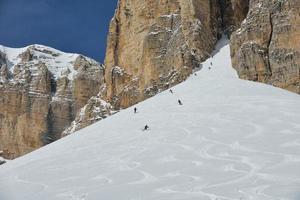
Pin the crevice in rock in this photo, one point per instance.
(116, 45)
(222, 7)
(117, 34)
(269, 44)
(53, 85)
(47, 137)
(172, 22)
(232, 14)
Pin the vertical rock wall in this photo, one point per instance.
(41, 92)
(154, 44)
(267, 46)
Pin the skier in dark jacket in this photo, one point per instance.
(179, 102)
(171, 91)
(146, 128)
(135, 110)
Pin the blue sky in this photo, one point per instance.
(78, 26)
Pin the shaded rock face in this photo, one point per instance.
(154, 44)
(41, 92)
(266, 47)
(233, 12)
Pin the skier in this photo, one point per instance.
(211, 64)
(135, 110)
(146, 128)
(171, 91)
(195, 74)
(179, 102)
(209, 68)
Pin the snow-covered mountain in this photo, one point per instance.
(230, 140)
(42, 90)
(59, 63)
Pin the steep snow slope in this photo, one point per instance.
(231, 140)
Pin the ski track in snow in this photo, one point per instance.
(231, 140)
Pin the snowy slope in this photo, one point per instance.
(231, 140)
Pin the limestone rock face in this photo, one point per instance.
(266, 47)
(95, 110)
(41, 92)
(154, 44)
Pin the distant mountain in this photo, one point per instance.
(41, 92)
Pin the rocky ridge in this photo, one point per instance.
(266, 47)
(41, 92)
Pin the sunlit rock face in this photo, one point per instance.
(266, 47)
(41, 91)
(154, 44)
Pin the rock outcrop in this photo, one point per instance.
(41, 92)
(95, 110)
(154, 44)
(266, 47)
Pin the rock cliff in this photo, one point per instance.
(266, 47)
(154, 44)
(41, 92)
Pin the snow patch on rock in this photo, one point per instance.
(59, 63)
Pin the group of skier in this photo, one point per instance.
(146, 127)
